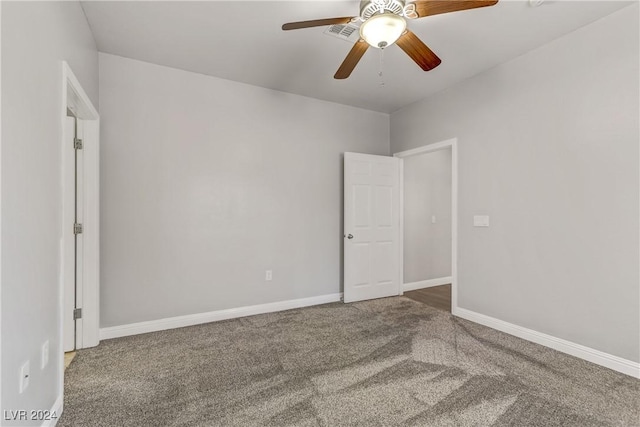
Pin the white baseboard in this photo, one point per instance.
(212, 316)
(426, 283)
(598, 357)
(55, 409)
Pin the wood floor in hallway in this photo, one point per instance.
(437, 297)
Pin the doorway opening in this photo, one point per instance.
(79, 269)
(429, 223)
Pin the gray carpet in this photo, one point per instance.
(388, 362)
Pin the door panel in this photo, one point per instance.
(73, 192)
(68, 324)
(371, 227)
(361, 205)
(79, 273)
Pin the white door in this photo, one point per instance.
(79, 237)
(73, 214)
(69, 292)
(371, 227)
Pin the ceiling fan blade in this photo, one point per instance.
(436, 7)
(316, 23)
(352, 59)
(418, 51)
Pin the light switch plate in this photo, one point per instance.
(24, 376)
(481, 220)
(45, 355)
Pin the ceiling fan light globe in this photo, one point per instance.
(383, 30)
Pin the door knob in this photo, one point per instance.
(350, 236)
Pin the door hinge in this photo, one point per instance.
(77, 228)
(77, 313)
(77, 143)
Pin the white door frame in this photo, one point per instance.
(75, 99)
(443, 145)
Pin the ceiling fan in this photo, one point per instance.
(384, 22)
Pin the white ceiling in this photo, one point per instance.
(243, 41)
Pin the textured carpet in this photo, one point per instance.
(387, 362)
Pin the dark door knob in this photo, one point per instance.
(350, 236)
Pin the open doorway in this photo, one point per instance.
(428, 224)
(79, 270)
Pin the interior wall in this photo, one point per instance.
(208, 183)
(36, 37)
(548, 147)
(427, 198)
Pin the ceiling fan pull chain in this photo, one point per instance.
(381, 64)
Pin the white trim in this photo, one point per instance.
(401, 229)
(454, 223)
(427, 148)
(453, 144)
(213, 316)
(598, 357)
(412, 286)
(57, 409)
(83, 105)
(91, 235)
(1, 352)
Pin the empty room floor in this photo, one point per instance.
(385, 362)
(436, 296)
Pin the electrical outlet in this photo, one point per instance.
(268, 276)
(24, 376)
(45, 355)
(433, 219)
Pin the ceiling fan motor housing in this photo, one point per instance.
(368, 8)
(383, 22)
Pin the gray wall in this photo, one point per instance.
(207, 183)
(548, 147)
(35, 38)
(427, 193)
